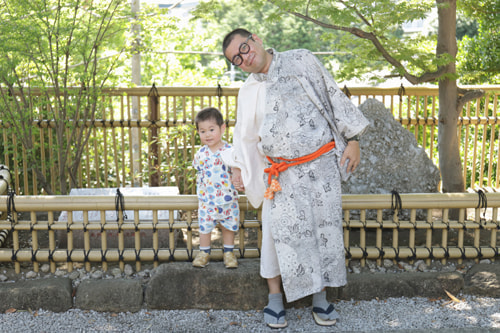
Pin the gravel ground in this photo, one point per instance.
(466, 314)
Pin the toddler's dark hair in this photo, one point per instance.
(209, 114)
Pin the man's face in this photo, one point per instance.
(256, 60)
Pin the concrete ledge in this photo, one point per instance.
(483, 280)
(371, 286)
(53, 294)
(178, 285)
(110, 295)
(181, 286)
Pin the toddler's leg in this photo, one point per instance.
(203, 257)
(228, 240)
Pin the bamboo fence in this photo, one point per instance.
(474, 235)
(166, 144)
(167, 138)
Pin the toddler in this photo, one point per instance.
(217, 197)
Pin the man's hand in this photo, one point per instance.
(352, 153)
(237, 180)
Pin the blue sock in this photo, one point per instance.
(228, 248)
(205, 249)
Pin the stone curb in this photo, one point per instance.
(180, 286)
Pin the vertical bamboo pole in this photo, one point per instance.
(460, 243)
(465, 147)
(444, 235)
(137, 236)
(123, 144)
(96, 160)
(34, 240)
(52, 241)
(154, 162)
(411, 241)
(483, 143)
(493, 236)
(395, 232)
(428, 239)
(156, 246)
(121, 240)
(379, 235)
(104, 240)
(347, 220)
(86, 239)
(70, 240)
(189, 233)
(362, 236)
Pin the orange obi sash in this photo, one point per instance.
(276, 168)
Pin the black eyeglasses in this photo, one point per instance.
(244, 49)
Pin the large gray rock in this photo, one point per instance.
(52, 294)
(181, 286)
(390, 158)
(110, 295)
(483, 280)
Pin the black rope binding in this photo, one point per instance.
(11, 206)
(396, 203)
(482, 202)
(346, 91)
(119, 205)
(219, 94)
(401, 91)
(153, 92)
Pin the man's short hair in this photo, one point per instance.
(230, 36)
(209, 113)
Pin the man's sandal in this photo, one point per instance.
(324, 322)
(273, 319)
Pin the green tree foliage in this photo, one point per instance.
(478, 60)
(332, 26)
(48, 47)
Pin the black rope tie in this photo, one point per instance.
(396, 203)
(431, 254)
(413, 254)
(119, 205)
(482, 202)
(346, 91)
(11, 206)
(219, 91)
(348, 252)
(381, 252)
(120, 255)
(86, 256)
(103, 255)
(153, 92)
(401, 91)
(69, 253)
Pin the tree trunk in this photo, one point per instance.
(448, 146)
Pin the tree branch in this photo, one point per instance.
(361, 16)
(466, 96)
(426, 77)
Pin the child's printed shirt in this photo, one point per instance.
(213, 182)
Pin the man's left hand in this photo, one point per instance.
(352, 153)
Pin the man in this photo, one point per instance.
(292, 115)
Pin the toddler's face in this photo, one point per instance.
(210, 133)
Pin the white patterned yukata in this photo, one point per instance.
(217, 197)
(299, 109)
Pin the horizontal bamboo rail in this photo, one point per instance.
(469, 239)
